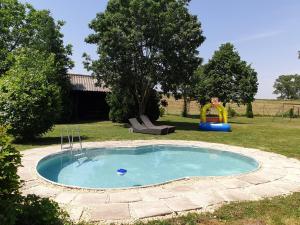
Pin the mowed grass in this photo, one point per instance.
(265, 133)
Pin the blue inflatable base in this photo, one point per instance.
(224, 127)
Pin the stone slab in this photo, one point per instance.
(113, 211)
(255, 179)
(75, 212)
(26, 174)
(149, 209)
(41, 191)
(90, 199)
(265, 190)
(286, 185)
(65, 197)
(206, 184)
(238, 195)
(152, 195)
(180, 188)
(124, 197)
(181, 204)
(233, 183)
(205, 198)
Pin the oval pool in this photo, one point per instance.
(145, 165)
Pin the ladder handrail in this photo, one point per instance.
(70, 133)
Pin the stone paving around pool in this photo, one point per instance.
(277, 175)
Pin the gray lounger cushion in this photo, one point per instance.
(149, 124)
(139, 128)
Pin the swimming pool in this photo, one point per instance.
(145, 165)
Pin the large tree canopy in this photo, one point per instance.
(21, 26)
(287, 86)
(143, 43)
(227, 77)
(29, 100)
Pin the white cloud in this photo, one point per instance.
(259, 36)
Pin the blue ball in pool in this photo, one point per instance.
(225, 127)
(121, 172)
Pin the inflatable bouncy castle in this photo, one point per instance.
(219, 123)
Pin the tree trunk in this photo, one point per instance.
(185, 106)
(142, 108)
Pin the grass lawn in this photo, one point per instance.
(279, 135)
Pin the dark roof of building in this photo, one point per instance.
(81, 82)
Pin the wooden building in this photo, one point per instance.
(88, 100)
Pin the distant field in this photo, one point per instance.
(260, 107)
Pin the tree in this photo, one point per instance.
(287, 87)
(29, 100)
(188, 92)
(227, 77)
(249, 111)
(145, 43)
(24, 27)
(201, 91)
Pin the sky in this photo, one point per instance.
(266, 33)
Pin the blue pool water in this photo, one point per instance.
(145, 165)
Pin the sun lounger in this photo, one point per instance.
(147, 122)
(139, 128)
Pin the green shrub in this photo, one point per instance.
(39, 211)
(291, 113)
(10, 160)
(29, 101)
(123, 106)
(231, 112)
(249, 112)
(162, 111)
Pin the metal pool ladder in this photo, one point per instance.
(70, 142)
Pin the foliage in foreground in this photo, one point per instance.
(16, 209)
(10, 160)
(275, 211)
(142, 44)
(29, 100)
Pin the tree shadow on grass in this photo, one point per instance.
(235, 122)
(193, 116)
(188, 126)
(44, 141)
